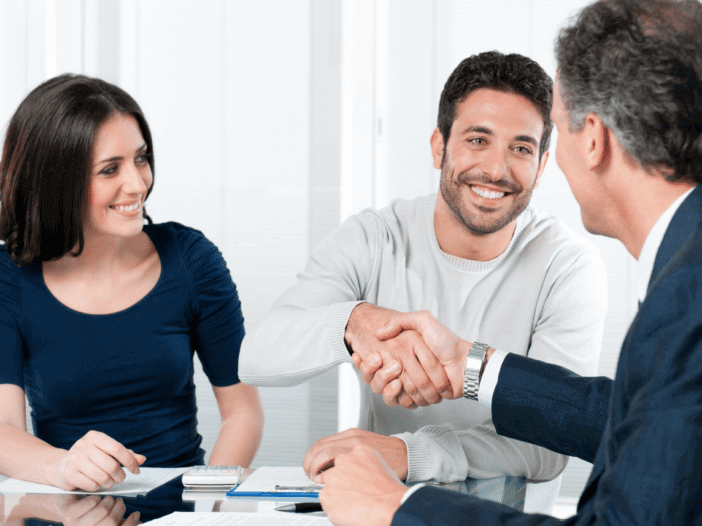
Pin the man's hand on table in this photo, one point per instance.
(405, 356)
(361, 490)
(324, 453)
(450, 352)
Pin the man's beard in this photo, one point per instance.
(482, 222)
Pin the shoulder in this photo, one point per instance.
(399, 217)
(676, 294)
(10, 276)
(549, 240)
(177, 240)
(10, 273)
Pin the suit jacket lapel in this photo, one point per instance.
(684, 222)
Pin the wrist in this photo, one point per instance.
(53, 467)
(352, 327)
(475, 362)
(488, 354)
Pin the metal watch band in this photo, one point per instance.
(471, 376)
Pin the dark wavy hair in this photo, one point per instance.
(637, 65)
(45, 166)
(507, 73)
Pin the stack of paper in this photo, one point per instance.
(236, 518)
(281, 483)
(147, 480)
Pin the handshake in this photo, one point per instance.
(409, 358)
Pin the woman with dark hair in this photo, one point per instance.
(100, 314)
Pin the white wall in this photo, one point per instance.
(270, 122)
(242, 99)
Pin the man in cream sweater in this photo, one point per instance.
(476, 255)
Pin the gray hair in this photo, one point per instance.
(637, 64)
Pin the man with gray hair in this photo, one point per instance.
(628, 109)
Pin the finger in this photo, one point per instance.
(114, 517)
(95, 473)
(404, 398)
(391, 392)
(384, 376)
(322, 462)
(124, 456)
(79, 480)
(424, 392)
(370, 365)
(357, 360)
(319, 446)
(97, 513)
(109, 465)
(397, 323)
(81, 506)
(75, 510)
(132, 520)
(435, 371)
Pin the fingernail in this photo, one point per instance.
(374, 360)
(394, 368)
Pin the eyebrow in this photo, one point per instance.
(487, 131)
(141, 148)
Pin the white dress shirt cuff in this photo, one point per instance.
(409, 492)
(490, 375)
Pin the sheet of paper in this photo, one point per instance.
(266, 478)
(180, 518)
(148, 479)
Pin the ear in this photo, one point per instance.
(437, 148)
(596, 135)
(542, 165)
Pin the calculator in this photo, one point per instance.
(212, 477)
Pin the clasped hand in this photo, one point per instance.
(444, 361)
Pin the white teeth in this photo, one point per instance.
(129, 208)
(487, 194)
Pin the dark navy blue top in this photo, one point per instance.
(128, 374)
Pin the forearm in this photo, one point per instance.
(292, 345)
(24, 456)
(242, 425)
(448, 455)
(303, 333)
(551, 406)
(237, 442)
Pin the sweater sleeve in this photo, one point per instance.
(568, 332)
(11, 360)
(303, 333)
(218, 323)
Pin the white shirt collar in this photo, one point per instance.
(647, 258)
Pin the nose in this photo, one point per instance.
(494, 164)
(134, 179)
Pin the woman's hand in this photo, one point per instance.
(95, 461)
(96, 511)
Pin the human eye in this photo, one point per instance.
(142, 159)
(523, 150)
(110, 169)
(477, 141)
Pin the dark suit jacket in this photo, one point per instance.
(642, 431)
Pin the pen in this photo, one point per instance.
(300, 507)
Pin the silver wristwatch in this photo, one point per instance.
(471, 376)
